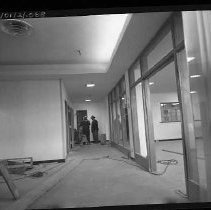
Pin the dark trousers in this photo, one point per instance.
(88, 137)
(95, 136)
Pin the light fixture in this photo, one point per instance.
(123, 98)
(87, 100)
(90, 85)
(190, 58)
(195, 76)
(193, 91)
(151, 83)
(174, 104)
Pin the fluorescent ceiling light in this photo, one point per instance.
(151, 83)
(175, 104)
(87, 100)
(90, 85)
(193, 91)
(195, 76)
(123, 98)
(190, 58)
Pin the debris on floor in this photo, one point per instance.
(19, 165)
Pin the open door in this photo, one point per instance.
(141, 117)
(80, 114)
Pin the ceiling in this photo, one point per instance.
(79, 50)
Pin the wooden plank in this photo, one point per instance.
(7, 179)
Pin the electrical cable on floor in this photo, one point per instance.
(164, 162)
(167, 163)
(34, 174)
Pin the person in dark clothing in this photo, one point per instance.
(85, 124)
(94, 129)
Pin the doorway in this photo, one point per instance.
(80, 114)
(166, 120)
(69, 127)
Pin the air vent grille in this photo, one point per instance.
(16, 27)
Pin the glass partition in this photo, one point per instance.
(134, 73)
(125, 126)
(197, 57)
(138, 120)
(157, 50)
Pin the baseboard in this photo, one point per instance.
(168, 139)
(49, 161)
(121, 148)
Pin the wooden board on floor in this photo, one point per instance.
(9, 182)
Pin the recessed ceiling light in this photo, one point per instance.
(87, 100)
(151, 83)
(123, 98)
(190, 58)
(90, 85)
(193, 91)
(195, 76)
(174, 104)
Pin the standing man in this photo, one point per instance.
(85, 124)
(94, 129)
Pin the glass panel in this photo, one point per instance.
(122, 86)
(117, 92)
(135, 73)
(111, 118)
(113, 95)
(197, 57)
(138, 120)
(114, 122)
(119, 124)
(125, 125)
(161, 50)
(179, 36)
(166, 125)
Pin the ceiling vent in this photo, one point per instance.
(16, 27)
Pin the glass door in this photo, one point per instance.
(140, 119)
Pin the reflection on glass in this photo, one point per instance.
(138, 120)
(161, 50)
(125, 126)
(135, 73)
(195, 57)
(119, 124)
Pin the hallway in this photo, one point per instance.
(101, 181)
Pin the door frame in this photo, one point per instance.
(189, 156)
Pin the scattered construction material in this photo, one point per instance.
(37, 174)
(19, 165)
(7, 179)
(103, 139)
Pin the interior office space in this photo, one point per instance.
(151, 94)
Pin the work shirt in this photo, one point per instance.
(85, 126)
(94, 125)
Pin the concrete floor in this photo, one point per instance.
(175, 174)
(106, 182)
(26, 184)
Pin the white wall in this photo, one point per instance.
(99, 110)
(30, 125)
(170, 130)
